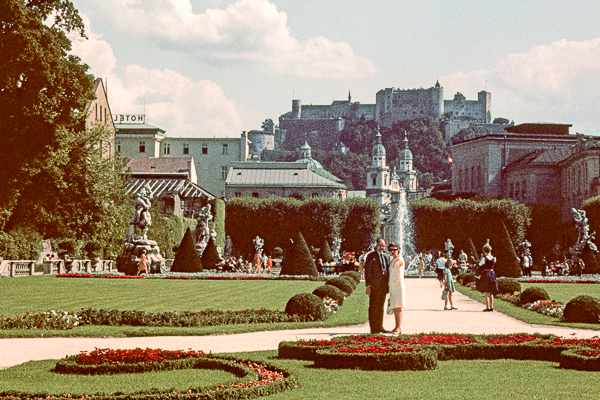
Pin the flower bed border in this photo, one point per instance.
(541, 348)
(421, 360)
(573, 358)
(249, 386)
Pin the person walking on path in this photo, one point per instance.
(143, 264)
(376, 280)
(441, 264)
(448, 286)
(488, 282)
(396, 286)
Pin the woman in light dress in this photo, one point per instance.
(397, 297)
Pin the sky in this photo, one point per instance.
(215, 68)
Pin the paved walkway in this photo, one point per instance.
(425, 313)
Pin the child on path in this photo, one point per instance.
(448, 285)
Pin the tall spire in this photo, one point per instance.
(349, 97)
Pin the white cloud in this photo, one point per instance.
(551, 83)
(250, 31)
(176, 103)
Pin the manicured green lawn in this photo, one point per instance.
(566, 291)
(476, 379)
(42, 293)
(36, 294)
(558, 291)
(36, 377)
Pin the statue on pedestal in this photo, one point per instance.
(448, 246)
(335, 249)
(135, 245)
(203, 233)
(585, 237)
(142, 218)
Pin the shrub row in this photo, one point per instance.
(585, 309)
(377, 352)
(184, 318)
(255, 380)
(201, 276)
(310, 306)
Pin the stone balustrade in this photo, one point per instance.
(16, 268)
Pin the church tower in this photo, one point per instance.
(406, 174)
(378, 174)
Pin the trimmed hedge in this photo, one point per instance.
(466, 277)
(576, 359)
(350, 280)
(533, 294)
(416, 360)
(583, 309)
(355, 275)
(369, 350)
(343, 284)
(508, 285)
(255, 381)
(306, 305)
(331, 292)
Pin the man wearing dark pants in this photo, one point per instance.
(376, 279)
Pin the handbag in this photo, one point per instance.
(445, 295)
(389, 310)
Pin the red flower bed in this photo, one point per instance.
(562, 281)
(593, 343)
(511, 339)
(110, 356)
(73, 276)
(125, 276)
(591, 353)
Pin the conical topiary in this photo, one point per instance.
(325, 252)
(210, 256)
(471, 250)
(301, 262)
(507, 261)
(187, 258)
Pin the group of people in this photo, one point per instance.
(384, 273)
(260, 264)
(566, 267)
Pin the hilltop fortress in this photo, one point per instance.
(391, 105)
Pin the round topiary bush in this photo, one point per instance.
(533, 294)
(331, 292)
(466, 277)
(342, 284)
(583, 309)
(350, 280)
(508, 285)
(353, 274)
(306, 305)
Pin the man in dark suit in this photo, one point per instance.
(376, 278)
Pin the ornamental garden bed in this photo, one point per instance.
(251, 379)
(422, 351)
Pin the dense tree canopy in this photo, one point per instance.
(55, 180)
(43, 90)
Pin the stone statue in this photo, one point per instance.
(203, 233)
(228, 246)
(258, 244)
(142, 218)
(335, 248)
(448, 246)
(583, 228)
(525, 248)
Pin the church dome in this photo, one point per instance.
(306, 157)
(378, 149)
(405, 154)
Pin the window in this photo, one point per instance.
(166, 148)
(142, 147)
(238, 194)
(118, 146)
(224, 148)
(204, 148)
(255, 195)
(512, 187)
(315, 195)
(186, 148)
(100, 113)
(224, 173)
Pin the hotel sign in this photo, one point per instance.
(129, 118)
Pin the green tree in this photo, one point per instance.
(349, 167)
(43, 92)
(501, 121)
(299, 261)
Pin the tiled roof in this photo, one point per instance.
(158, 187)
(154, 164)
(542, 157)
(278, 174)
